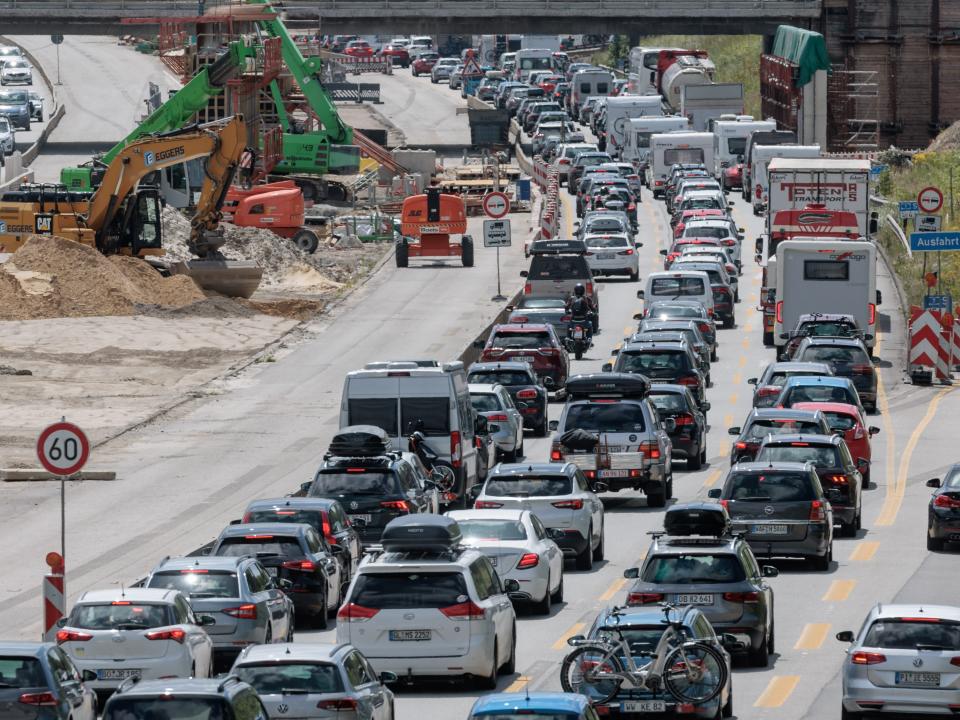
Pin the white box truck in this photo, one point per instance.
(670, 148)
(548, 42)
(825, 276)
(730, 140)
(701, 103)
(620, 110)
(638, 133)
(760, 157)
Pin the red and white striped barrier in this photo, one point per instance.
(54, 605)
(928, 352)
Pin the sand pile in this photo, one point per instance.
(948, 139)
(52, 277)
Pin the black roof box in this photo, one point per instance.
(557, 247)
(608, 385)
(360, 441)
(421, 533)
(697, 518)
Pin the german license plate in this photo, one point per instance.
(522, 358)
(407, 635)
(695, 599)
(927, 679)
(606, 256)
(360, 516)
(614, 473)
(643, 706)
(121, 673)
(768, 530)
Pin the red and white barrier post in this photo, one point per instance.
(54, 596)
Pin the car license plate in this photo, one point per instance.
(272, 571)
(643, 706)
(366, 518)
(124, 673)
(614, 473)
(768, 530)
(405, 635)
(522, 358)
(606, 256)
(927, 679)
(695, 599)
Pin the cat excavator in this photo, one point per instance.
(121, 217)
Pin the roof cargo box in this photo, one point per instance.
(558, 247)
(622, 385)
(697, 518)
(360, 441)
(421, 533)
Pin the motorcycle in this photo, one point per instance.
(579, 338)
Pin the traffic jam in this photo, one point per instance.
(461, 505)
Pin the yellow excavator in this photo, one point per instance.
(121, 217)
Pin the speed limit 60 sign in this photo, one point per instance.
(63, 448)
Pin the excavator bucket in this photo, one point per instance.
(233, 278)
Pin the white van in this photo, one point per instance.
(620, 110)
(760, 157)
(668, 149)
(637, 134)
(588, 83)
(679, 285)
(730, 141)
(532, 59)
(401, 397)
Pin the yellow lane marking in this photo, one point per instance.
(743, 361)
(748, 327)
(561, 642)
(727, 420)
(628, 330)
(712, 478)
(753, 298)
(891, 505)
(839, 590)
(812, 636)
(865, 550)
(778, 690)
(737, 378)
(746, 343)
(616, 587)
(733, 399)
(724, 451)
(517, 685)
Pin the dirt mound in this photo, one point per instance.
(52, 277)
(948, 139)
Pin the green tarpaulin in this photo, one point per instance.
(805, 48)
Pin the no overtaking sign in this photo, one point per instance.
(496, 205)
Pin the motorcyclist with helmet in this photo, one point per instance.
(581, 309)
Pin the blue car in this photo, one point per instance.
(506, 706)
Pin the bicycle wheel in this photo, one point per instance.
(694, 673)
(590, 670)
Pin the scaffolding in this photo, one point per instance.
(853, 97)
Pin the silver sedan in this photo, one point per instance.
(504, 420)
(520, 548)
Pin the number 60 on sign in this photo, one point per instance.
(63, 448)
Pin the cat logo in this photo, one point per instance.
(43, 224)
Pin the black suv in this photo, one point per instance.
(524, 387)
(689, 434)
(665, 362)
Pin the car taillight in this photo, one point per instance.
(339, 704)
(861, 657)
(740, 445)
(862, 369)
(464, 611)
(631, 206)
(650, 450)
(556, 455)
(244, 612)
(742, 597)
(527, 395)
(725, 504)
(175, 635)
(327, 529)
(568, 504)
(704, 327)
(455, 449)
(72, 636)
(689, 381)
(628, 251)
(566, 318)
(818, 512)
(497, 417)
(401, 505)
(759, 191)
(589, 288)
(780, 311)
(683, 419)
(564, 161)
(640, 598)
(945, 501)
(871, 314)
(658, 183)
(487, 505)
(529, 560)
(351, 612)
(520, 319)
(527, 288)
(837, 479)
(41, 698)
(306, 565)
(955, 661)
(729, 242)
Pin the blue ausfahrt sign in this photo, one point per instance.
(934, 241)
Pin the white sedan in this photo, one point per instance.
(612, 254)
(520, 548)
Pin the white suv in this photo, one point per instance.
(426, 606)
(148, 632)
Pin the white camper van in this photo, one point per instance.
(730, 140)
(620, 110)
(668, 149)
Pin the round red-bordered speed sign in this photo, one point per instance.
(930, 200)
(63, 448)
(496, 205)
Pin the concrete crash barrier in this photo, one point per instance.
(38, 475)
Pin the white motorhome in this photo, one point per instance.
(589, 83)
(760, 157)
(643, 69)
(730, 140)
(704, 102)
(620, 110)
(532, 59)
(668, 149)
(825, 276)
(636, 149)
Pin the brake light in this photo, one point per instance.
(589, 288)
(564, 161)
(683, 419)
(658, 183)
(244, 612)
(871, 313)
(300, 565)
(529, 560)
(768, 390)
(339, 704)
(861, 657)
(245, 537)
(520, 319)
(401, 505)
(725, 504)
(72, 636)
(863, 369)
(464, 611)
(566, 318)
(568, 504)
(628, 251)
(327, 530)
(945, 501)
(527, 395)
(639, 598)
(455, 449)
(631, 206)
(780, 311)
(41, 699)
(497, 417)
(955, 661)
(689, 381)
(194, 571)
(351, 612)
(175, 635)
(759, 191)
(650, 450)
(740, 445)
(837, 479)
(527, 288)
(742, 597)
(555, 453)
(487, 505)
(817, 512)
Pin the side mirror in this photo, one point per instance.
(845, 636)
(575, 639)
(932, 483)
(553, 425)
(670, 425)
(638, 316)
(549, 382)
(769, 571)
(62, 622)
(493, 429)
(741, 230)
(730, 206)
(236, 522)
(305, 487)
(879, 298)
(358, 523)
(664, 253)
(733, 431)
(640, 294)
(868, 336)
(862, 463)
(88, 675)
(752, 381)
(388, 678)
(607, 367)
(555, 534)
(480, 425)
(510, 585)
(510, 308)
(873, 430)
(474, 492)
(714, 493)
(599, 487)
(637, 243)
(631, 573)
(705, 407)
(478, 344)
(615, 351)
(524, 273)
(204, 620)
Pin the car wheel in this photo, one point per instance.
(768, 339)
(822, 563)
(585, 558)
(510, 667)
(728, 322)
(293, 621)
(727, 710)
(668, 488)
(771, 641)
(540, 430)
(320, 617)
(268, 638)
(635, 276)
(695, 460)
(935, 544)
(332, 611)
(415, 73)
(865, 480)
(657, 499)
(558, 593)
(849, 529)
(703, 451)
(543, 607)
(598, 551)
(759, 657)
(490, 681)
(714, 356)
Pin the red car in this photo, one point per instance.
(841, 416)
(733, 177)
(534, 343)
(424, 62)
(694, 214)
(549, 83)
(398, 54)
(358, 48)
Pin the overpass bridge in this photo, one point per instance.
(632, 17)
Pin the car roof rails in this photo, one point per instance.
(558, 247)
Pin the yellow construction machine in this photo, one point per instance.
(123, 217)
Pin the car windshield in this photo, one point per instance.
(120, 615)
(4, 125)
(276, 678)
(154, 708)
(558, 267)
(818, 393)
(400, 590)
(674, 311)
(15, 63)
(486, 402)
(840, 421)
(691, 569)
(611, 241)
(705, 231)
(908, 633)
(761, 428)
(20, 672)
(197, 582)
(13, 98)
(677, 286)
(616, 417)
(313, 518)
(819, 455)
(828, 329)
(654, 363)
(669, 402)
(528, 485)
(770, 486)
(492, 529)
(835, 355)
(354, 481)
(260, 544)
(503, 377)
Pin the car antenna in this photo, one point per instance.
(288, 649)
(123, 593)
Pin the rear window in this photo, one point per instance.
(670, 402)
(654, 363)
(604, 226)
(21, 672)
(897, 634)
(558, 267)
(677, 287)
(502, 377)
(672, 156)
(836, 356)
(690, 569)
(430, 415)
(379, 412)
(492, 529)
(146, 708)
(196, 583)
(521, 340)
(762, 428)
(286, 678)
(540, 303)
(260, 545)
(819, 393)
(840, 421)
(771, 487)
(485, 402)
(532, 486)
(313, 518)
(705, 232)
(616, 417)
(363, 482)
(607, 242)
(828, 329)
(120, 615)
(819, 455)
(675, 311)
(395, 591)
(700, 203)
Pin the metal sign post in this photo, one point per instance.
(58, 41)
(496, 233)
